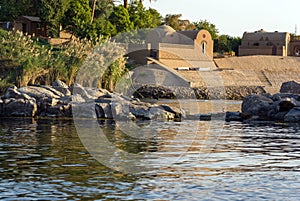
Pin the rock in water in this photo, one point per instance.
(12, 92)
(290, 87)
(19, 107)
(38, 92)
(293, 115)
(62, 87)
(257, 105)
(178, 112)
(233, 116)
(287, 104)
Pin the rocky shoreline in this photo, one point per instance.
(280, 107)
(59, 100)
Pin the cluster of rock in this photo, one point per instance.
(281, 107)
(59, 100)
(203, 93)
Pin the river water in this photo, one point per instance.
(45, 159)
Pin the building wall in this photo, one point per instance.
(182, 52)
(31, 27)
(265, 43)
(204, 36)
(166, 43)
(279, 51)
(295, 48)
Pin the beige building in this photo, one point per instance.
(166, 43)
(269, 43)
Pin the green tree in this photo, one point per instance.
(12, 9)
(211, 28)
(103, 8)
(99, 27)
(78, 16)
(52, 13)
(121, 20)
(235, 43)
(226, 43)
(173, 21)
(143, 18)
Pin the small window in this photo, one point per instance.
(204, 47)
(255, 44)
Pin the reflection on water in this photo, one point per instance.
(45, 160)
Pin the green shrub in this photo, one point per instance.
(36, 62)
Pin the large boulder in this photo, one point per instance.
(12, 92)
(293, 115)
(179, 113)
(286, 104)
(77, 89)
(290, 87)
(53, 90)
(95, 93)
(58, 110)
(39, 92)
(104, 110)
(19, 107)
(140, 111)
(84, 110)
(280, 96)
(62, 87)
(158, 113)
(257, 105)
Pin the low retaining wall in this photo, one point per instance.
(204, 93)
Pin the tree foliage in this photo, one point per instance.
(173, 21)
(40, 64)
(211, 28)
(142, 17)
(52, 13)
(226, 43)
(12, 9)
(78, 16)
(121, 20)
(103, 8)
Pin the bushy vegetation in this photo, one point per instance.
(26, 60)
